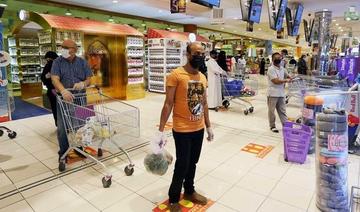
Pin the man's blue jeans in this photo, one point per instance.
(61, 132)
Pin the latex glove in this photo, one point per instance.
(210, 134)
(67, 95)
(158, 143)
(79, 86)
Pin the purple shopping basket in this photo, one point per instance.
(84, 112)
(296, 141)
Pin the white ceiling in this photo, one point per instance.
(196, 14)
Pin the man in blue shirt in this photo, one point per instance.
(69, 73)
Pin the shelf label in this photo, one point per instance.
(337, 143)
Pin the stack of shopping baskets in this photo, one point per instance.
(237, 89)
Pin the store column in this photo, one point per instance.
(324, 20)
(268, 47)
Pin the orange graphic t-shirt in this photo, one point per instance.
(188, 113)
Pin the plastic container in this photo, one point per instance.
(332, 161)
(233, 87)
(296, 142)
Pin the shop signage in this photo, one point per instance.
(276, 10)
(177, 6)
(349, 67)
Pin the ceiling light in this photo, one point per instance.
(342, 30)
(334, 20)
(115, 1)
(3, 5)
(143, 24)
(222, 28)
(160, 11)
(259, 29)
(68, 13)
(337, 24)
(111, 19)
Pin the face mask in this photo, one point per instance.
(277, 61)
(196, 61)
(65, 53)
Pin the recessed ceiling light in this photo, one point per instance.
(68, 13)
(337, 24)
(334, 20)
(342, 30)
(115, 1)
(259, 29)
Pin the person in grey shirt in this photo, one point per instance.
(69, 74)
(277, 78)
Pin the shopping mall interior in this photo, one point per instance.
(217, 68)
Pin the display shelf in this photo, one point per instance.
(136, 55)
(134, 46)
(135, 52)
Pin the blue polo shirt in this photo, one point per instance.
(71, 72)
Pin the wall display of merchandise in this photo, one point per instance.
(103, 45)
(135, 59)
(25, 65)
(166, 52)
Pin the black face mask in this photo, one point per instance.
(196, 61)
(277, 61)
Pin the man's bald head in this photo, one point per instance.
(194, 47)
(69, 44)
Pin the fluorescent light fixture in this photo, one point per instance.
(3, 5)
(115, 1)
(68, 13)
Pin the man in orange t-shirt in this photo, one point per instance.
(186, 97)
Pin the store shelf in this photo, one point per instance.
(136, 74)
(156, 74)
(136, 65)
(31, 73)
(134, 83)
(156, 82)
(29, 46)
(173, 65)
(156, 66)
(156, 90)
(136, 55)
(135, 46)
(29, 55)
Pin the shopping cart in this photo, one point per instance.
(300, 85)
(93, 118)
(6, 107)
(355, 199)
(237, 89)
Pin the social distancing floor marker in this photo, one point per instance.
(186, 206)
(74, 157)
(259, 150)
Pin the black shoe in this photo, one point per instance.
(274, 130)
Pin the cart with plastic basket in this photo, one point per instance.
(92, 119)
(300, 85)
(6, 107)
(236, 90)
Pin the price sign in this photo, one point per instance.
(337, 143)
(308, 113)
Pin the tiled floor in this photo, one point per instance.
(235, 180)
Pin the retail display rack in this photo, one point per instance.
(166, 51)
(164, 55)
(135, 59)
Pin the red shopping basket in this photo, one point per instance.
(296, 141)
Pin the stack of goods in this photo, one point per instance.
(312, 105)
(332, 155)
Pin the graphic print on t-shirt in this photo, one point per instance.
(195, 97)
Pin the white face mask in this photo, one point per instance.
(65, 53)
